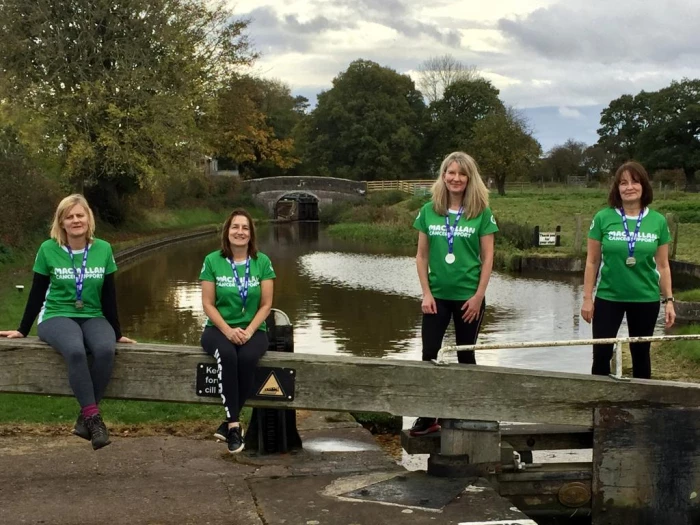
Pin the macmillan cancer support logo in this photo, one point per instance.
(94, 272)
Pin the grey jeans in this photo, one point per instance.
(75, 339)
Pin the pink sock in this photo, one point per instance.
(90, 410)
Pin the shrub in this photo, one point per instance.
(386, 198)
(520, 236)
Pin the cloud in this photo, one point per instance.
(610, 32)
(568, 112)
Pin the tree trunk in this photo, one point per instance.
(690, 182)
(501, 184)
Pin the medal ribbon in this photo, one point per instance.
(79, 277)
(452, 229)
(631, 239)
(242, 289)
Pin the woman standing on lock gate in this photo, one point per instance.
(73, 294)
(628, 252)
(454, 261)
(237, 287)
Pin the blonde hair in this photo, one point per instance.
(476, 196)
(57, 232)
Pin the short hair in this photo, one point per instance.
(476, 196)
(58, 233)
(638, 174)
(226, 250)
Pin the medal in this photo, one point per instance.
(631, 239)
(79, 277)
(450, 257)
(242, 287)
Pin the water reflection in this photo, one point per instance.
(353, 299)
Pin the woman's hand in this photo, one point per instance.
(472, 308)
(124, 339)
(14, 334)
(669, 314)
(428, 305)
(238, 336)
(587, 310)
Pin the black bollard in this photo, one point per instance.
(274, 430)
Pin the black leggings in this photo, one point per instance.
(435, 325)
(236, 364)
(641, 319)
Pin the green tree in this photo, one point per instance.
(503, 147)
(452, 118)
(255, 124)
(120, 93)
(368, 126)
(661, 128)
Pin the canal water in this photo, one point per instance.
(354, 299)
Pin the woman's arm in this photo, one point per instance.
(266, 292)
(109, 307)
(472, 306)
(664, 268)
(589, 277)
(422, 257)
(209, 305)
(37, 295)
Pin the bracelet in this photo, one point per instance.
(669, 299)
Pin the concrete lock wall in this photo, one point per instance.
(327, 190)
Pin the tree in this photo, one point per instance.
(661, 129)
(503, 147)
(368, 126)
(255, 122)
(452, 118)
(438, 73)
(120, 92)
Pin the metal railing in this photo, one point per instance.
(617, 341)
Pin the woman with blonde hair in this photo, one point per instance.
(454, 261)
(73, 295)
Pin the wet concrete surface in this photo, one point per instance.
(166, 480)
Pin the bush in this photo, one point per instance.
(684, 212)
(416, 202)
(386, 198)
(333, 213)
(674, 178)
(520, 236)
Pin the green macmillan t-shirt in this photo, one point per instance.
(457, 281)
(217, 269)
(616, 280)
(54, 261)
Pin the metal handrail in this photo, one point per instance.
(617, 341)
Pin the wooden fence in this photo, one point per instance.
(413, 187)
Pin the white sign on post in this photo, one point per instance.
(548, 238)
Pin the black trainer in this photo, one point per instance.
(234, 440)
(80, 429)
(99, 436)
(222, 432)
(424, 425)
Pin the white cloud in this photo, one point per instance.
(567, 112)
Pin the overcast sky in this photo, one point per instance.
(560, 61)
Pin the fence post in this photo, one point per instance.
(673, 229)
(557, 237)
(577, 235)
(536, 237)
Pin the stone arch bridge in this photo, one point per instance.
(325, 190)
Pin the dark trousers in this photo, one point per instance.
(641, 319)
(435, 325)
(237, 364)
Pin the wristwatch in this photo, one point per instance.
(668, 300)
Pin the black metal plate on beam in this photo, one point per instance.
(270, 383)
(414, 489)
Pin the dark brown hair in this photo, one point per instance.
(638, 174)
(226, 244)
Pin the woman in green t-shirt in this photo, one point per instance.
(454, 261)
(73, 294)
(237, 287)
(628, 252)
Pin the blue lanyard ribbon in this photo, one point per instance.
(452, 229)
(242, 289)
(79, 277)
(631, 239)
